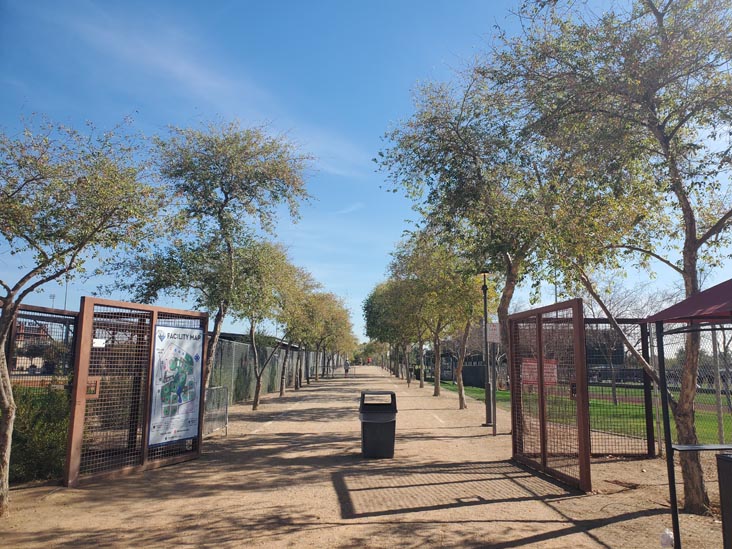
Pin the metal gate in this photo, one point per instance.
(112, 404)
(549, 399)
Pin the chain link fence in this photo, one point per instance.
(234, 369)
(712, 398)
(216, 413)
(620, 392)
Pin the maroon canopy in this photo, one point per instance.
(709, 305)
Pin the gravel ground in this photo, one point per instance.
(292, 475)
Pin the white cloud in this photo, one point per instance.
(356, 206)
(166, 56)
(173, 58)
(335, 154)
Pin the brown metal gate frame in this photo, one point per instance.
(583, 481)
(81, 386)
(54, 316)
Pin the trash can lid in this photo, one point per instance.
(378, 403)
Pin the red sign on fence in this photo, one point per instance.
(530, 371)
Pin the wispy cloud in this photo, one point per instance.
(166, 55)
(163, 54)
(351, 208)
(335, 154)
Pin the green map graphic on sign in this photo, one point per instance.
(178, 387)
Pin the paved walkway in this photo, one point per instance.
(292, 475)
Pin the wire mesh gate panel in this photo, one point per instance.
(549, 400)
(41, 358)
(41, 345)
(620, 390)
(112, 402)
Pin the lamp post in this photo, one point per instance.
(66, 289)
(488, 392)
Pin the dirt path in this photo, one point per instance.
(292, 475)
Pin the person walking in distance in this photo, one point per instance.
(346, 367)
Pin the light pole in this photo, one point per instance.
(488, 392)
(66, 290)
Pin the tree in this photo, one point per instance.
(467, 307)
(291, 316)
(227, 180)
(438, 272)
(328, 317)
(66, 197)
(657, 80)
(391, 312)
(373, 349)
(266, 279)
(475, 177)
(343, 340)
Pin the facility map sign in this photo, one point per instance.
(176, 385)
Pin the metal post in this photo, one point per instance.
(66, 290)
(486, 361)
(648, 393)
(667, 437)
(494, 384)
(82, 357)
(717, 386)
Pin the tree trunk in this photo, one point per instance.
(614, 388)
(298, 368)
(459, 370)
(317, 356)
(284, 372)
(7, 405)
(306, 365)
(421, 364)
(438, 365)
(257, 372)
(509, 287)
(257, 391)
(696, 499)
(405, 363)
(214, 342)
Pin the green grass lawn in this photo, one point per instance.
(503, 398)
(623, 419)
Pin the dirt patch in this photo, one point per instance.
(292, 475)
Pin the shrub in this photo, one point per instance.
(40, 433)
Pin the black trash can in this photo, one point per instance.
(378, 423)
(724, 472)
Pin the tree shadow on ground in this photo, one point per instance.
(398, 490)
(368, 492)
(383, 497)
(315, 414)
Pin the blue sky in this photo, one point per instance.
(331, 75)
